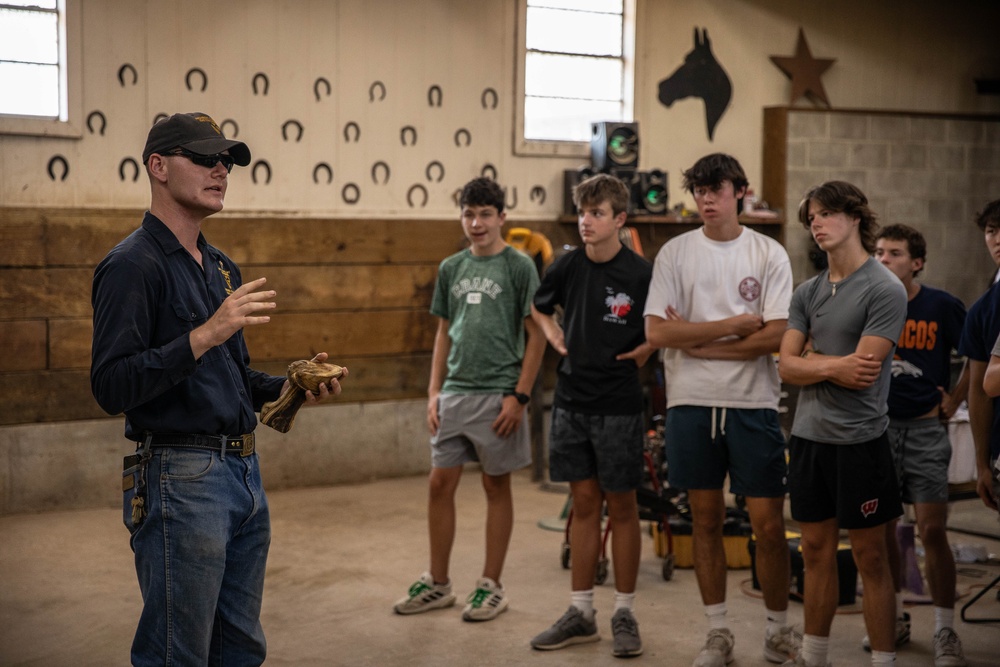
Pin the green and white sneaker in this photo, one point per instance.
(486, 602)
(425, 595)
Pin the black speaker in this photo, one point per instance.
(614, 146)
(572, 178)
(649, 192)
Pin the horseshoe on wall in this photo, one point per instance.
(316, 87)
(236, 128)
(371, 91)
(52, 163)
(412, 131)
(257, 164)
(284, 129)
(158, 117)
(489, 92)
(260, 76)
(511, 204)
(90, 118)
(355, 196)
(537, 194)
(460, 132)
(121, 74)
(196, 70)
(135, 169)
(434, 96)
(409, 195)
(440, 168)
(329, 172)
(456, 196)
(375, 170)
(347, 132)
(488, 168)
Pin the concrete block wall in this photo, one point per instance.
(76, 465)
(933, 172)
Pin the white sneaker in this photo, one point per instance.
(902, 633)
(425, 595)
(948, 649)
(783, 645)
(486, 602)
(718, 649)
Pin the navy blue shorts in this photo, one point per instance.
(856, 484)
(703, 445)
(605, 447)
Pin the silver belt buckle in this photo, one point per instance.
(248, 444)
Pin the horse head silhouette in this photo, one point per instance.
(702, 76)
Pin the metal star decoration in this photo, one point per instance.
(805, 72)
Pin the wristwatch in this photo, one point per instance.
(523, 399)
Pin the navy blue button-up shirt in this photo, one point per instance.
(148, 294)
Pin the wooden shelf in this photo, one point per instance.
(673, 219)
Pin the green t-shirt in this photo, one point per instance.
(485, 300)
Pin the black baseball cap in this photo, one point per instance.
(195, 132)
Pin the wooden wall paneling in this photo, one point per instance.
(23, 345)
(83, 237)
(69, 342)
(310, 241)
(23, 238)
(347, 287)
(45, 292)
(47, 396)
(342, 334)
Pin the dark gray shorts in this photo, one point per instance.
(922, 452)
(605, 447)
(465, 434)
(703, 445)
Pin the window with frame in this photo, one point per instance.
(39, 95)
(575, 67)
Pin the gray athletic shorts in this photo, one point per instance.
(605, 447)
(921, 451)
(465, 434)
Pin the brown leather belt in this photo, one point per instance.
(243, 445)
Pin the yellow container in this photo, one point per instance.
(736, 546)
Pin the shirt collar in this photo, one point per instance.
(166, 238)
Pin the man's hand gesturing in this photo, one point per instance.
(241, 308)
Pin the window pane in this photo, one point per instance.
(29, 36)
(565, 120)
(548, 75)
(574, 32)
(29, 90)
(608, 6)
(44, 4)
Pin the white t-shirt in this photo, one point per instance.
(708, 280)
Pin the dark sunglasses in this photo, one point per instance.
(208, 161)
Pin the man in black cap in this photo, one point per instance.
(169, 352)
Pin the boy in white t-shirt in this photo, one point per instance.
(718, 304)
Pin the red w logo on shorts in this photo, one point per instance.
(869, 507)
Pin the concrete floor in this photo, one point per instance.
(340, 557)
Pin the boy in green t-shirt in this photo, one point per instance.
(487, 351)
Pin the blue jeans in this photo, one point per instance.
(200, 555)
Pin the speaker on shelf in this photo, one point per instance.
(614, 145)
(572, 178)
(649, 192)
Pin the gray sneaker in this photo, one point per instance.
(425, 595)
(948, 649)
(571, 629)
(626, 632)
(902, 633)
(718, 649)
(799, 661)
(783, 645)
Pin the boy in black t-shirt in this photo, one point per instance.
(597, 419)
